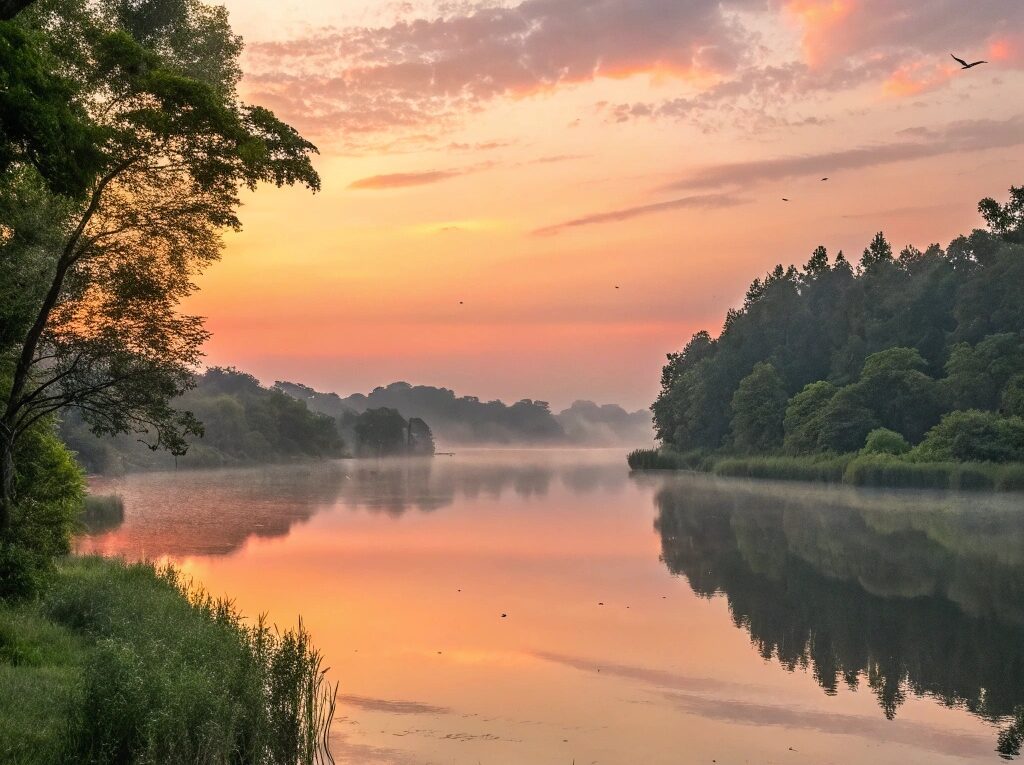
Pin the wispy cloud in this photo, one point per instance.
(918, 735)
(391, 707)
(705, 201)
(964, 136)
(405, 180)
(359, 79)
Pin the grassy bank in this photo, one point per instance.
(865, 470)
(119, 663)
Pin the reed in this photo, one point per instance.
(161, 671)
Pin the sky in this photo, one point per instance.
(541, 199)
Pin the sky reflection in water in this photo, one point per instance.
(649, 618)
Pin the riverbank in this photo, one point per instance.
(127, 663)
(882, 471)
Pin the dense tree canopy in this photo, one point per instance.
(895, 343)
(123, 148)
(243, 422)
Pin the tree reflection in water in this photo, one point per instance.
(905, 592)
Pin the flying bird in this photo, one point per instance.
(784, 199)
(964, 64)
(825, 178)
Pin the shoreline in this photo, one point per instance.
(875, 471)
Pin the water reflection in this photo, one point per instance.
(214, 512)
(904, 592)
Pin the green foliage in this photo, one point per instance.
(664, 459)
(1012, 400)
(885, 441)
(1006, 220)
(123, 150)
(139, 667)
(823, 468)
(759, 406)
(40, 687)
(804, 418)
(380, 432)
(895, 345)
(243, 422)
(845, 422)
(458, 419)
(41, 125)
(973, 436)
(50, 492)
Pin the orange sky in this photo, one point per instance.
(526, 159)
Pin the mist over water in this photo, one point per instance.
(655, 618)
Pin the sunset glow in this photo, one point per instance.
(527, 159)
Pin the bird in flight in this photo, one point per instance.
(964, 64)
(784, 199)
(825, 178)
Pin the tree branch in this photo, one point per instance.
(28, 349)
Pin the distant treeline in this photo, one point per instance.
(466, 420)
(245, 423)
(916, 356)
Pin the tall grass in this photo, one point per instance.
(881, 470)
(665, 459)
(826, 469)
(102, 512)
(165, 673)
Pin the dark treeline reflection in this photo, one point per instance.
(906, 593)
(213, 512)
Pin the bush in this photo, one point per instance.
(973, 436)
(170, 675)
(49, 490)
(885, 441)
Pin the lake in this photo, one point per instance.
(520, 607)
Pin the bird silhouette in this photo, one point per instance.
(825, 178)
(964, 64)
(784, 199)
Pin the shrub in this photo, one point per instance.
(885, 441)
(48, 498)
(973, 436)
(175, 676)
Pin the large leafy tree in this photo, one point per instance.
(759, 406)
(100, 266)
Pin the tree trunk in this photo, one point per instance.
(11, 8)
(6, 479)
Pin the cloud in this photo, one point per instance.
(705, 201)
(918, 735)
(405, 180)
(360, 79)
(656, 677)
(391, 707)
(963, 136)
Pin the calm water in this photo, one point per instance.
(652, 619)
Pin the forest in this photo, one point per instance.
(466, 420)
(246, 423)
(916, 356)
